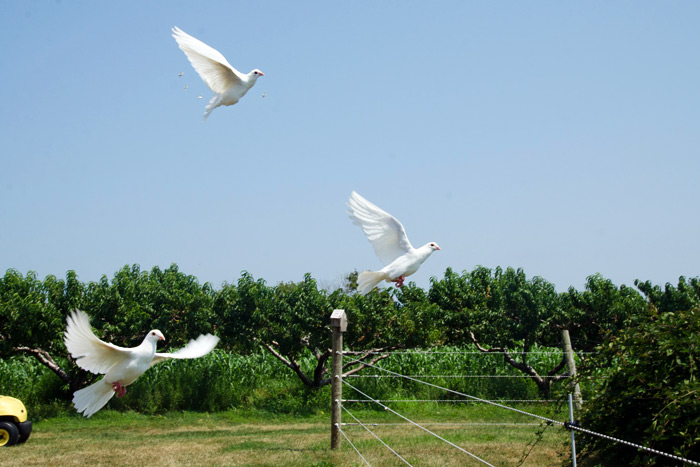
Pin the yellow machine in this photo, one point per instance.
(14, 426)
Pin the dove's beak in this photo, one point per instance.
(438, 247)
(262, 74)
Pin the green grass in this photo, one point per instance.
(263, 438)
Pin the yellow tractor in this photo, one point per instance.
(14, 426)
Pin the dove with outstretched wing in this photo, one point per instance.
(120, 366)
(227, 83)
(388, 237)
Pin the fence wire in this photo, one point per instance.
(373, 434)
(353, 446)
(638, 446)
(459, 376)
(475, 352)
(446, 424)
(531, 401)
(421, 427)
(485, 401)
(548, 420)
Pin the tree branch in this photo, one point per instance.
(363, 365)
(45, 358)
(289, 363)
(483, 349)
(362, 355)
(557, 369)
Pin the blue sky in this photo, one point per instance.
(560, 137)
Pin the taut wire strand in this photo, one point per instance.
(549, 420)
(373, 434)
(421, 427)
(353, 446)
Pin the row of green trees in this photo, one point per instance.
(499, 310)
(494, 310)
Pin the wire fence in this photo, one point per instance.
(473, 352)
(527, 401)
(383, 372)
(420, 426)
(460, 376)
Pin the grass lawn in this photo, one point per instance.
(263, 439)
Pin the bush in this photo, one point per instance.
(647, 391)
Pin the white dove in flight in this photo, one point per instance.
(227, 83)
(121, 366)
(390, 243)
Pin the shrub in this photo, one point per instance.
(647, 391)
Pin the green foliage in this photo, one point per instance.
(647, 390)
(134, 301)
(32, 312)
(602, 308)
(684, 297)
(396, 318)
(41, 390)
(501, 308)
(291, 320)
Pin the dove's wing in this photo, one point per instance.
(386, 233)
(195, 348)
(89, 352)
(212, 67)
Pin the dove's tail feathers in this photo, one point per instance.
(368, 280)
(92, 398)
(213, 103)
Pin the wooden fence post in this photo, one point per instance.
(339, 323)
(571, 364)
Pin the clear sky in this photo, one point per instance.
(560, 137)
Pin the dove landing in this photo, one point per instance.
(227, 83)
(388, 237)
(121, 366)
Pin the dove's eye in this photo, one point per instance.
(153, 333)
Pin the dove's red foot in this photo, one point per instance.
(119, 390)
(399, 281)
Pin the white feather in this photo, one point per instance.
(89, 352)
(384, 231)
(367, 280)
(92, 398)
(195, 348)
